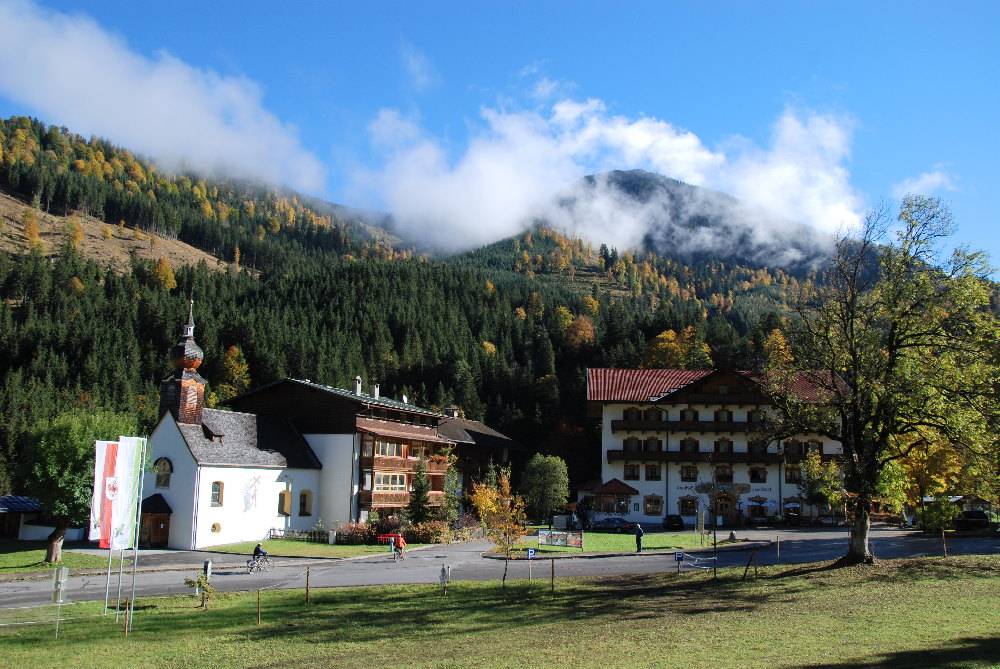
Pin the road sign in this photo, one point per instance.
(679, 556)
(531, 553)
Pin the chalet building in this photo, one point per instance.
(290, 455)
(683, 441)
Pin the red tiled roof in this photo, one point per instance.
(387, 428)
(637, 385)
(616, 487)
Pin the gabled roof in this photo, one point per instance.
(19, 504)
(343, 393)
(467, 431)
(616, 487)
(234, 438)
(388, 428)
(637, 385)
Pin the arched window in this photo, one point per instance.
(689, 415)
(217, 489)
(632, 413)
(723, 446)
(689, 445)
(284, 503)
(651, 414)
(758, 475)
(724, 474)
(163, 468)
(755, 416)
(631, 444)
(688, 506)
(724, 416)
(305, 503)
(652, 445)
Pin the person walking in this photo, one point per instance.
(638, 538)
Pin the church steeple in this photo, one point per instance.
(183, 392)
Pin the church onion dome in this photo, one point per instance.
(186, 354)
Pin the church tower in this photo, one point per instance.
(183, 392)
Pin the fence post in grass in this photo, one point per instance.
(552, 577)
(258, 607)
(307, 585)
(777, 543)
(529, 570)
(944, 545)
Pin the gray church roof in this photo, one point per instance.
(247, 440)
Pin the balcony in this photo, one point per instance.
(395, 499)
(383, 463)
(679, 456)
(639, 425)
(683, 426)
(739, 400)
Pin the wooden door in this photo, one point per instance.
(154, 531)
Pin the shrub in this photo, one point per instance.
(465, 527)
(429, 532)
(385, 524)
(355, 534)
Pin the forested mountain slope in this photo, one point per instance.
(506, 332)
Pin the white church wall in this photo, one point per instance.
(338, 478)
(167, 442)
(249, 508)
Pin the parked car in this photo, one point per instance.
(972, 520)
(613, 524)
(673, 522)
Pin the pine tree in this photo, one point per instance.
(419, 508)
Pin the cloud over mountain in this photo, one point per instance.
(517, 164)
(72, 71)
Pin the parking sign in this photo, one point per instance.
(531, 553)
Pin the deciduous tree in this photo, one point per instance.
(896, 345)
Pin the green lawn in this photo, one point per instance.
(603, 542)
(18, 557)
(293, 548)
(928, 612)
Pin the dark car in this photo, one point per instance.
(972, 520)
(613, 525)
(673, 522)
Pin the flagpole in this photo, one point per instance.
(107, 581)
(138, 522)
(121, 567)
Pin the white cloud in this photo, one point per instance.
(517, 163)
(418, 68)
(926, 183)
(71, 71)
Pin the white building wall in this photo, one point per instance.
(339, 454)
(167, 442)
(249, 509)
(671, 487)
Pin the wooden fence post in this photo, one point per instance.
(307, 585)
(258, 607)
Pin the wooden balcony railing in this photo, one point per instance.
(376, 499)
(383, 463)
(679, 456)
(683, 426)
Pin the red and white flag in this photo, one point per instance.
(114, 505)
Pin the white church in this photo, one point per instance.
(291, 455)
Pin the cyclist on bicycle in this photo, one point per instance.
(399, 546)
(259, 552)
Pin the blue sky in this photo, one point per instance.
(883, 92)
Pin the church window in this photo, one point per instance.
(305, 503)
(217, 488)
(284, 503)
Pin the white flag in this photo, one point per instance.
(117, 471)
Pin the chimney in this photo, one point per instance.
(375, 392)
(357, 385)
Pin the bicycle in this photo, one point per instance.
(258, 564)
(397, 554)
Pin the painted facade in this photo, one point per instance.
(683, 443)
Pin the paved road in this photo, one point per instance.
(423, 566)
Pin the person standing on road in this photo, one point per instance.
(638, 538)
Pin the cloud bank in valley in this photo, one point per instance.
(73, 72)
(518, 165)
